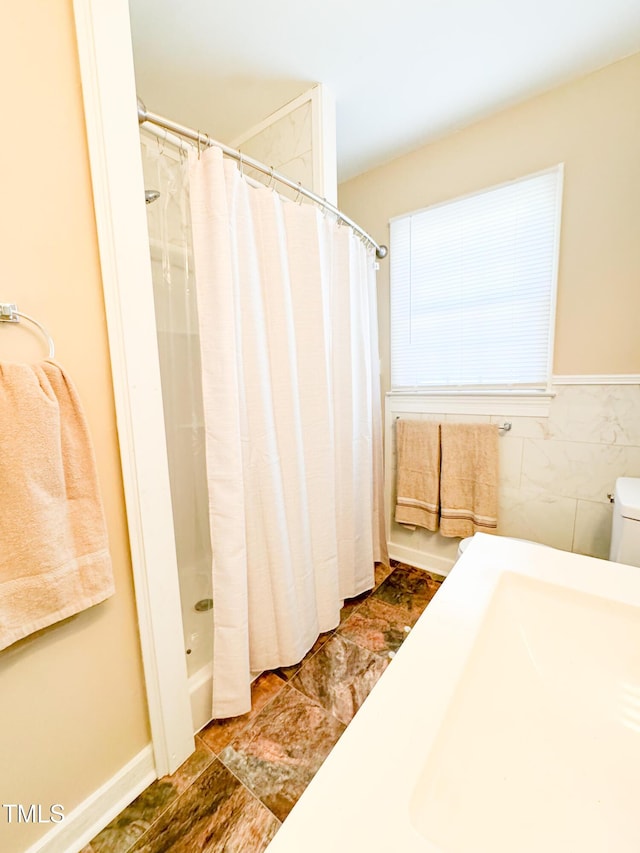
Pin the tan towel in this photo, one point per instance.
(469, 479)
(417, 473)
(54, 558)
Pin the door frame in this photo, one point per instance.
(108, 86)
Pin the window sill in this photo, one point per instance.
(504, 403)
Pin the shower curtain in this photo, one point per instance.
(165, 168)
(288, 335)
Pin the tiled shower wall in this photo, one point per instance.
(555, 473)
(287, 146)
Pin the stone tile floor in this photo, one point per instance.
(248, 772)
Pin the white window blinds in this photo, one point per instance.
(473, 286)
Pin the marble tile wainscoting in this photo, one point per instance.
(555, 472)
(247, 773)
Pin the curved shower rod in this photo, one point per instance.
(205, 140)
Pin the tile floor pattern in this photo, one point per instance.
(247, 773)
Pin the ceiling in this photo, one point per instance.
(403, 72)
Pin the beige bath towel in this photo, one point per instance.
(417, 473)
(54, 558)
(469, 479)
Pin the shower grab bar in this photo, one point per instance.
(9, 314)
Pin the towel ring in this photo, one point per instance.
(9, 314)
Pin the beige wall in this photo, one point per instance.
(73, 708)
(593, 126)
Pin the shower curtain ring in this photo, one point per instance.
(299, 196)
(241, 164)
(198, 142)
(272, 179)
(206, 144)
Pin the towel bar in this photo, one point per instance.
(9, 314)
(505, 427)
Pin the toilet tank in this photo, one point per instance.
(625, 530)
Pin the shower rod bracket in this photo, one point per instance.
(142, 111)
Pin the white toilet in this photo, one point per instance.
(625, 529)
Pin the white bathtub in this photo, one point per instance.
(508, 722)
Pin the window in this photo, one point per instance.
(473, 285)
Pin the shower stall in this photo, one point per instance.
(323, 547)
(165, 171)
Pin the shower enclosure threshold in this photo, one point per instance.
(201, 695)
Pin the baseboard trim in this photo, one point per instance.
(413, 557)
(94, 813)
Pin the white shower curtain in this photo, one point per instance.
(288, 335)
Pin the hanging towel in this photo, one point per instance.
(418, 473)
(469, 479)
(54, 558)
